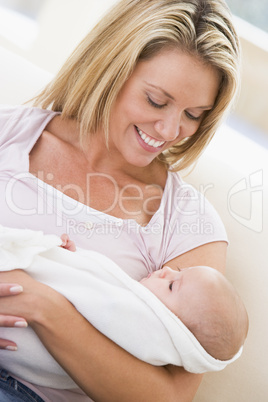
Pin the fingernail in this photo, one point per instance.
(13, 348)
(16, 289)
(21, 324)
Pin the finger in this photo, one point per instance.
(8, 289)
(12, 321)
(8, 345)
(71, 245)
(65, 239)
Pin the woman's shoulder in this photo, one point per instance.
(64, 129)
(188, 219)
(18, 123)
(188, 205)
(16, 112)
(177, 188)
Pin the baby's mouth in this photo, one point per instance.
(149, 140)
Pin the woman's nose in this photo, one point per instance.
(169, 127)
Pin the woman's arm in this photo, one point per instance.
(107, 372)
(101, 368)
(211, 254)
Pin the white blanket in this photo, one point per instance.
(118, 306)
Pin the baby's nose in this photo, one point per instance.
(164, 271)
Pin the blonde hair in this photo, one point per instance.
(90, 80)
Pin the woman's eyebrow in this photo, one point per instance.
(205, 107)
(160, 89)
(208, 107)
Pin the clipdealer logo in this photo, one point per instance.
(251, 188)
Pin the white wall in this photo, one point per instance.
(252, 104)
(62, 24)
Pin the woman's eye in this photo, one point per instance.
(154, 104)
(191, 117)
(170, 286)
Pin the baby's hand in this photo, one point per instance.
(67, 243)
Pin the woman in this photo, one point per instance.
(137, 101)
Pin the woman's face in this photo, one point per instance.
(162, 102)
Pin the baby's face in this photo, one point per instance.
(179, 289)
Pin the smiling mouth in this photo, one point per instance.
(149, 140)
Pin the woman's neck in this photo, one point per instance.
(99, 157)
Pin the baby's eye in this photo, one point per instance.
(170, 286)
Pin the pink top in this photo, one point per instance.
(184, 220)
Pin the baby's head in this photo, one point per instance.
(206, 302)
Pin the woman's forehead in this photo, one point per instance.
(179, 74)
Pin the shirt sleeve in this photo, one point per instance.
(185, 220)
(193, 222)
(22, 125)
(20, 128)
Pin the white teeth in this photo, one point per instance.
(143, 136)
(148, 140)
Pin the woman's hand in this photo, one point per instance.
(25, 301)
(33, 300)
(10, 289)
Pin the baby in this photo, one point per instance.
(204, 300)
(191, 317)
(206, 303)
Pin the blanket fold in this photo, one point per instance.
(118, 306)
